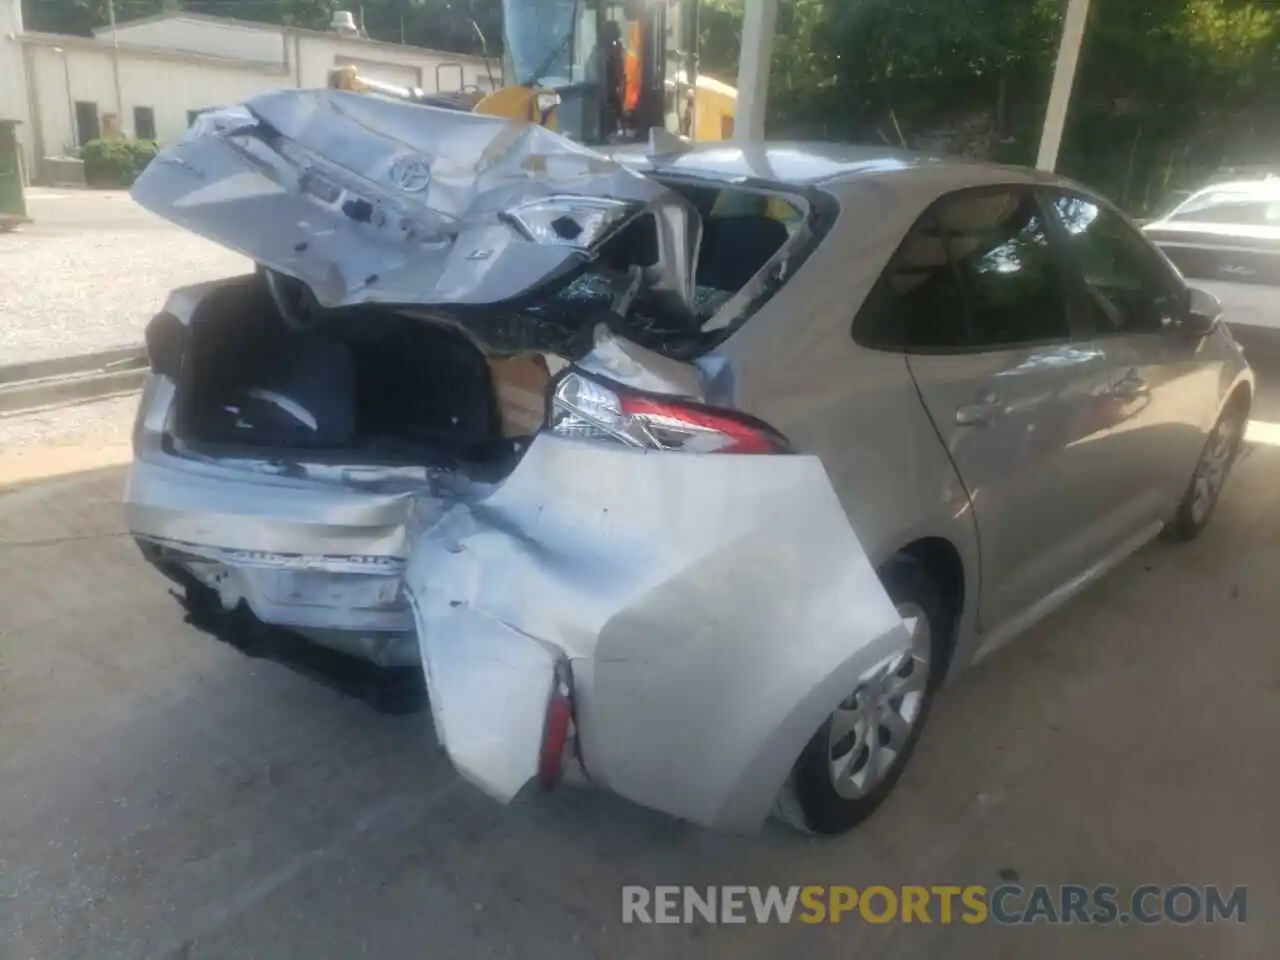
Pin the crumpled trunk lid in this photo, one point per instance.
(367, 200)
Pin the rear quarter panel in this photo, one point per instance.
(712, 610)
(797, 367)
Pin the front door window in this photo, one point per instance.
(1131, 287)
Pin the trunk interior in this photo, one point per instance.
(373, 386)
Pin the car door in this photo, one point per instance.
(1012, 391)
(1161, 392)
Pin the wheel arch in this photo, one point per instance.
(1236, 385)
(1241, 395)
(944, 564)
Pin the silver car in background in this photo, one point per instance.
(692, 472)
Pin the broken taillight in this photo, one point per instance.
(557, 729)
(585, 407)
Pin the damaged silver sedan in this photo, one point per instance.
(690, 472)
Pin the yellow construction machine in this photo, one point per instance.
(598, 71)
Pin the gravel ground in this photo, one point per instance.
(90, 271)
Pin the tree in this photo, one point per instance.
(1166, 90)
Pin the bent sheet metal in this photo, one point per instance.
(367, 200)
(713, 610)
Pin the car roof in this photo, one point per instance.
(1263, 188)
(801, 163)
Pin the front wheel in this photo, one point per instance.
(1219, 455)
(855, 759)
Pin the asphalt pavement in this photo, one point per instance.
(162, 796)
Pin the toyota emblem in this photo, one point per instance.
(411, 174)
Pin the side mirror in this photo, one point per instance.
(1203, 314)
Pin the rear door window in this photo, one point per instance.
(976, 273)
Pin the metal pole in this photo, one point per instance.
(115, 65)
(759, 23)
(71, 101)
(1064, 78)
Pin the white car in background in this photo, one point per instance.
(1225, 238)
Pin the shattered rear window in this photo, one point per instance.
(556, 324)
(592, 292)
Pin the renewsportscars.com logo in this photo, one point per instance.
(1008, 904)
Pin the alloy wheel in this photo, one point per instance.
(872, 726)
(1211, 474)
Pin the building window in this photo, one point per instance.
(144, 123)
(87, 127)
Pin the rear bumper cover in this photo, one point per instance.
(381, 669)
(324, 557)
(712, 609)
(322, 562)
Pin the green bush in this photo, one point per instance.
(115, 162)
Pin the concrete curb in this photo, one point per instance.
(95, 376)
(65, 366)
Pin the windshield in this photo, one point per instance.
(550, 43)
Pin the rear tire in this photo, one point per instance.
(841, 778)
(1214, 467)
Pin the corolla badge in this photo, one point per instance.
(411, 174)
(1236, 270)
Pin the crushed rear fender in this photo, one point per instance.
(714, 609)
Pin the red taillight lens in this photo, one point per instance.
(731, 435)
(585, 407)
(556, 730)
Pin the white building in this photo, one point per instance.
(154, 75)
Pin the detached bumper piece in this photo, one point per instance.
(394, 690)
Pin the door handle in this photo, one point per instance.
(1130, 385)
(985, 408)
